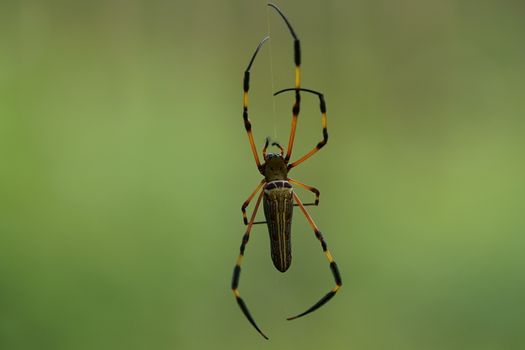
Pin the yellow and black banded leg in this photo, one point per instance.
(297, 61)
(333, 265)
(246, 87)
(237, 269)
(295, 115)
(309, 188)
(247, 202)
(322, 143)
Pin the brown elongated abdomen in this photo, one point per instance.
(278, 210)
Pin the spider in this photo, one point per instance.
(277, 192)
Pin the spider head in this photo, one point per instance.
(275, 167)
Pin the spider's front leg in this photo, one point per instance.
(322, 107)
(297, 61)
(246, 88)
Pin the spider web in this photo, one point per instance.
(271, 71)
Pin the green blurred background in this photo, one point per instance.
(124, 163)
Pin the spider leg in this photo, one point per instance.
(309, 188)
(237, 269)
(246, 87)
(333, 265)
(322, 107)
(297, 60)
(247, 201)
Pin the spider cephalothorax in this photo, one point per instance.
(274, 168)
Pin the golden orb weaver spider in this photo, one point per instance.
(277, 187)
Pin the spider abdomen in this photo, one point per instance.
(278, 210)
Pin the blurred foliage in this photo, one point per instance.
(124, 162)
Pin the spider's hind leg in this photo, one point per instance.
(237, 269)
(329, 257)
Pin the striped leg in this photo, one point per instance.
(333, 265)
(297, 61)
(247, 202)
(246, 87)
(309, 188)
(295, 115)
(237, 269)
(322, 107)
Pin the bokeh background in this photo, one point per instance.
(124, 163)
